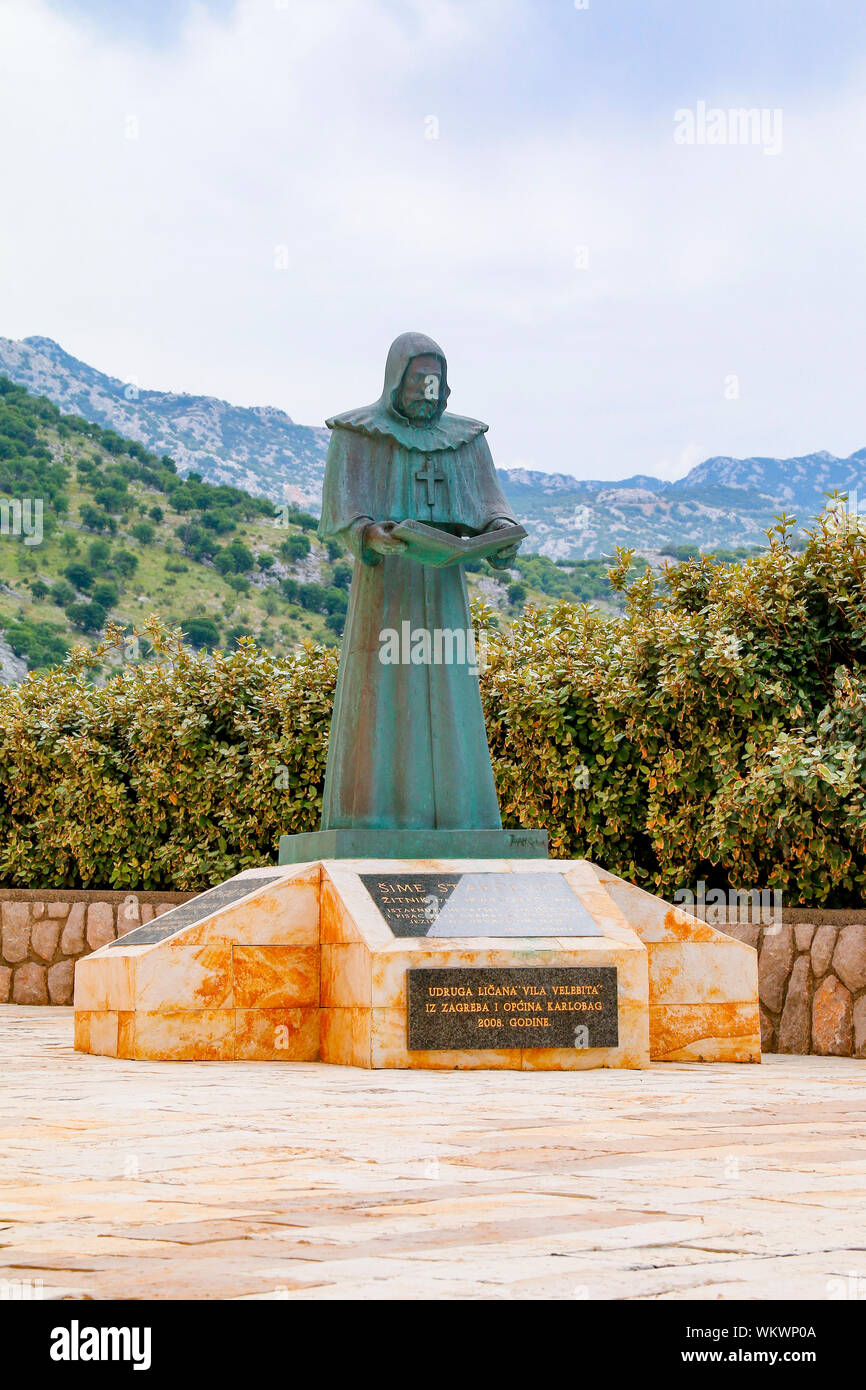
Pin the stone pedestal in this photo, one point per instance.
(307, 962)
(404, 845)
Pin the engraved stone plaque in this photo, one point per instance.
(187, 914)
(454, 1009)
(479, 904)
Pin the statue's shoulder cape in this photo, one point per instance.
(376, 421)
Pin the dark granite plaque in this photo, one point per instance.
(186, 914)
(482, 904)
(527, 1007)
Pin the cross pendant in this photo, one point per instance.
(431, 476)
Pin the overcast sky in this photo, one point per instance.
(251, 200)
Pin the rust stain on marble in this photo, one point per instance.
(681, 926)
(272, 977)
(346, 1036)
(675, 1026)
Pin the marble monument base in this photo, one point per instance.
(431, 963)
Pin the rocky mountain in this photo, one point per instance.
(260, 449)
(529, 480)
(800, 484)
(721, 503)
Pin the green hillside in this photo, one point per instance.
(123, 535)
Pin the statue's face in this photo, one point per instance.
(419, 394)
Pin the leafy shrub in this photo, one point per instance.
(714, 729)
(62, 593)
(294, 547)
(40, 642)
(105, 593)
(234, 558)
(168, 773)
(98, 554)
(96, 520)
(201, 632)
(88, 616)
(81, 576)
(218, 520)
(305, 520)
(197, 542)
(112, 499)
(125, 562)
(335, 601)
(313, 597)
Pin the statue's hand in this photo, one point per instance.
(501, 559)
(377, 536)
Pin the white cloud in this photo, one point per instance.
(304, 129)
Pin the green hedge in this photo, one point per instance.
(715, 730)
(173, 774)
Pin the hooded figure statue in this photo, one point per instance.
(408, 747)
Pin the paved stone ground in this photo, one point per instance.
(259, 1180)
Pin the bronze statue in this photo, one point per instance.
(408, 748)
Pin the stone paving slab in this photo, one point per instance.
(257, 1181)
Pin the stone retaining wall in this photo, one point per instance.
(812, 982)
(44, 932)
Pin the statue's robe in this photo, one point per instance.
(408, 747)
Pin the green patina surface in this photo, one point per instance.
(408, 747)
(413, 844)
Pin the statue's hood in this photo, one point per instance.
(400, 354)
(383, 419)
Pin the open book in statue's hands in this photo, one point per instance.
(429, 545)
